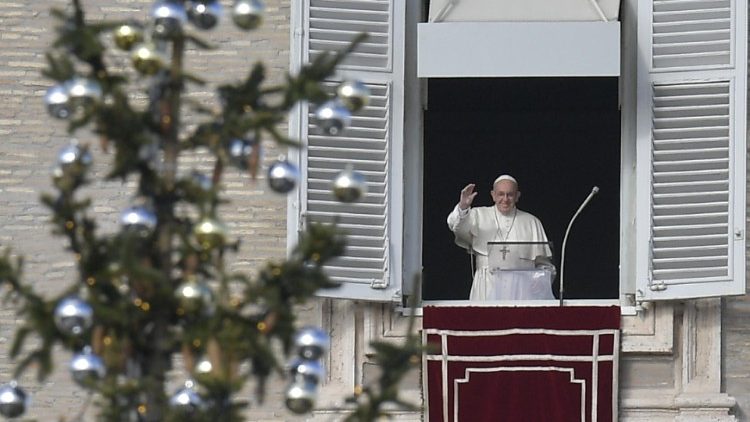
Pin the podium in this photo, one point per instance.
(514, 274)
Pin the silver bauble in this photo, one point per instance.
(57, 101)
(332, 117)
(73, 316)
(13, 400)
(138, 219)
(87, 368)
(300, 396)
(194, 295)
(169, 18)
(147, 59)
(311, 342)
(203, 367)
(248, 14)
(349, 185)
(204, 14)
(283, 176)
(186, 399)
(83, 93)
(354, 94)
(73, 161)
(309, 370)
(239, 151)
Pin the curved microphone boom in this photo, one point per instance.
(594, 191)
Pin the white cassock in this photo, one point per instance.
(475, 227)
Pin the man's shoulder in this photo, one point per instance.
(528, 215)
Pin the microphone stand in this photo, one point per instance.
(594, 191)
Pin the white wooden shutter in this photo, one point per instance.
(692, 76)
(370, 268)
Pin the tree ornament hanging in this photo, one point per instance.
(73, 316)
(13, 400)
(73, 161)
(241, 152)
(57, 101)
(309, 370)
(283, 176)
(169, 17)
(203, 367)
(311, 342)
(83, 93)
(354, 94)
(349, 185)
(248, 14)
(194, 295)
(127, 35)
(210, 233)
(332, 117)
(86, 368)
(138, 219)
(147, 59)
(204, 14)
(300, 396)
(186, 400)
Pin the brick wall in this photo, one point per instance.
(29, 141)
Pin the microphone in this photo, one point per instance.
(594, 191)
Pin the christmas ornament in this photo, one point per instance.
(73, 316)
(186, 399)
(194, 295)
(83, 93)
(169, 17)
(308, 370)
(311, 342)
(13, 400)
(87, 368)
(354, 95)
(138, 219)
(349, 185)
(210, 233)
(300, 396)
(73, 161)
(57, 101)
(203, 367)
(201, 181)
(282, 176)
(248, 14)
(147, 59)
(204, 14)
(332, 117)
(127, 35)
(240, 152)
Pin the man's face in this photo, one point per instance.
(505, 194)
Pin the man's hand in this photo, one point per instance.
(467, 196)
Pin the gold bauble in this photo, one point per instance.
(210, 233)
(146, 59)
(126, 36)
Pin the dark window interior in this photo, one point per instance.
(558, 137)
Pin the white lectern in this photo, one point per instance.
(513, 272)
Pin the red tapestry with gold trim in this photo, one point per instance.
(521, 363)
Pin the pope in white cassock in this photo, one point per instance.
(503, 222)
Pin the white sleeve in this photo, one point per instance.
(456, 216)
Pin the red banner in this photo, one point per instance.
(521, 363)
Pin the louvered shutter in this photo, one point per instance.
(371, 144)
(691, 148)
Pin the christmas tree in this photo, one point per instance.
(159, 287)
